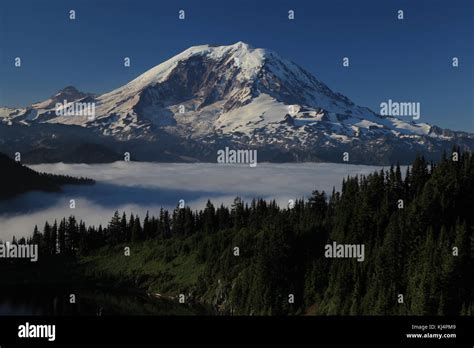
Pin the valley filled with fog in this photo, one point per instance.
(138, 187)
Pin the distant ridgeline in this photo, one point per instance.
(16, 178)
(415, 236)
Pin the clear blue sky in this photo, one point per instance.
(407, 60)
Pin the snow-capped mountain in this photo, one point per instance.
(45, 111)
(236, 94)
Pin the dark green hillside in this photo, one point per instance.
(422, 251)
(16, 178)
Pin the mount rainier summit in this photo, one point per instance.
(210, 97)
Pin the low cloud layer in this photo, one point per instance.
(137, 187)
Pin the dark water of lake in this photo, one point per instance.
(89, 302)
